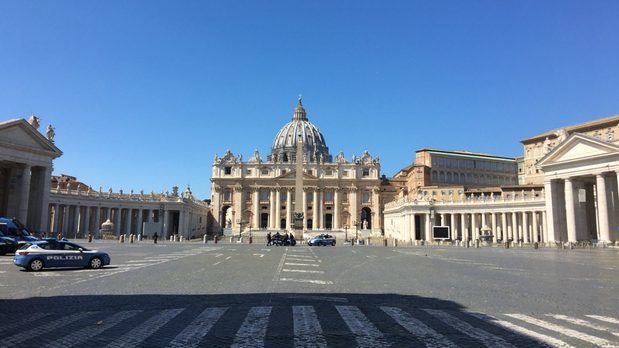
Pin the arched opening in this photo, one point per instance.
(226, 217)
(328, 221)
(282, 224)
(264, 220)
(366, 218)
(310, 224)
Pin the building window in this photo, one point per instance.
(366, 172)
(328, 172)
(264, 195)
(345, 173)
(248, 171)
(264, 171)
(365, 197)
(228, 170)
(283, 171)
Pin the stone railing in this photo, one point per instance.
(121, 196)
(470, 200)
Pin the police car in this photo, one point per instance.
(50, 253)
(13, 235)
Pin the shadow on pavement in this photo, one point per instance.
(158, 320)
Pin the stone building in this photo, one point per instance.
(578, 202)
(257, 193)
(26, 158)
(535, 148)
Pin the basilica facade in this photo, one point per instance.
(257, 194)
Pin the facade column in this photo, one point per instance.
(515, 227)
(454, 231)
(139, 222)
(444, 220)
(289, 209)
(353, 206)
(544, 227)
(55, 228)
(164, 226)
(504, 232)
(525, 227)
(272, 223)
(463, 227)
(336, 209)
(602, 208)
(428, 227)
(549, 227)
(304, 209)
(278, 209)
(570, 210)
(97, 221)
(495, 231)
(315, 211)
(413, 227)
(256, 209)
(535, 226)
(24, 194)
(47, 183)
(321, 216)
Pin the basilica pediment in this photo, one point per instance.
(20, 135)
(578, 147)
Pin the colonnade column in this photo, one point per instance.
(535, 228)
(570, 210)
(495, 230)
(256, 209)
(47, 183)
(128, 219)
(97, 221)
(289, 209)
(504, 233)
(139, 222)
(474, 233)
(65, 220)
(55, 228)
(545, 227)
(549, 232)
(117, 212)
(315, 211)
(336, 209)
(86, 220)
(525, 227)
(463, 227)
(602, 208)
(454, 231)
(515, 227)
(413, 227)
(428, 227)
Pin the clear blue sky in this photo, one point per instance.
(143, 94)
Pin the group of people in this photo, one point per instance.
(281, 239)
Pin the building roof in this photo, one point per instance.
(581, 127)
(466, 154)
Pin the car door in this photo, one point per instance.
(72, 256)
(51, 253)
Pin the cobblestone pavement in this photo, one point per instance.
(188, 295)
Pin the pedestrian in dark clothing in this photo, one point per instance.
(268, 238)
(155, 237)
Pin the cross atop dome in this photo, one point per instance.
(299, 112)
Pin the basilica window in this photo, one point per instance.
(227, 195)
(248, 171)
(228, 170)
(365, 197)
(328, 172)
(329, 196)
(345, 173)
(264, 171)
(344, 197)
(264, 195)
(366, 172)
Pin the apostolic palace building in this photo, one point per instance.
(562, 191)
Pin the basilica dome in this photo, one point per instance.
(285, 142)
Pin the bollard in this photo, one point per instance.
(215, 238)
(536, 245)
(89, 237)
(506, 245)
(131, 238)
(385, 242)
(180, 239)
(368, 241)
(230, 239)
(171, 238)
(571, 245)
(204, 239)
(139, 237)
(251, 239)
(122, 238)
(477, 243)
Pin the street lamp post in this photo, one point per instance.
(346, 231)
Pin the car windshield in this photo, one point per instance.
(71, 246)
(25, 246)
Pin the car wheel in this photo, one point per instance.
(95, 263)
(35, 265)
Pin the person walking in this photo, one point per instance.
(155, 237)
(268, 238)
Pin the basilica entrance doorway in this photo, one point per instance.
(366, 218)
(328, 221)
(264, 221)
